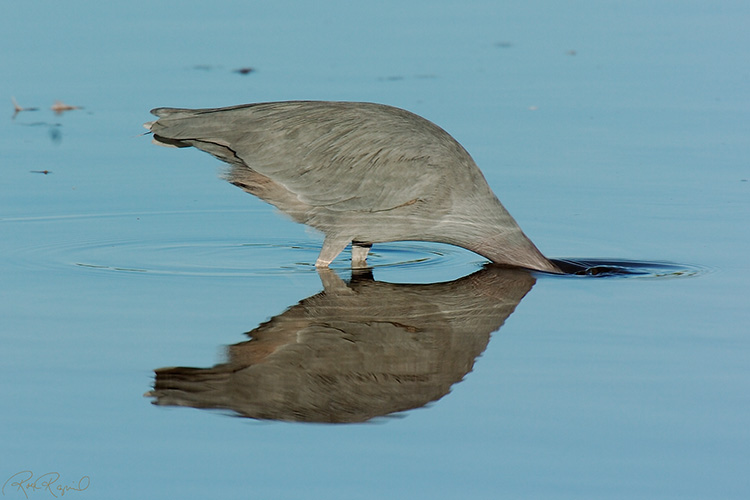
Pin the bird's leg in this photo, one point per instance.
(331, 248)
(332, 284)
(359, 254)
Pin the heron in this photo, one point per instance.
(360, 173)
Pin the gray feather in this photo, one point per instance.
(357, 172)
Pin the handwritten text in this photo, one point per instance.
(26, 483)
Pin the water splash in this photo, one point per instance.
(620, 268)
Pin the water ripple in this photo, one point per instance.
(157, 243)
(614, 268)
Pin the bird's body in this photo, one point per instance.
(361, 173)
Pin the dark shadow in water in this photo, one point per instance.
(354, 351)
(54, 129)
(623, 268)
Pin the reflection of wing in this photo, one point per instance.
(357, 156)
(354, 352)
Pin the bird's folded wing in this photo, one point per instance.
(345, 156)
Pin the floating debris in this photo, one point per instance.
(17, 108)
(60, 107)
(244, 71)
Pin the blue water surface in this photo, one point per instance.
(610, 130)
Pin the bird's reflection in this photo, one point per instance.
(354, 351)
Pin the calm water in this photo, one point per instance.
(610, 130)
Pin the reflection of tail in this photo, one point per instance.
(193, 387)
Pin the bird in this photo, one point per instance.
(361, 173)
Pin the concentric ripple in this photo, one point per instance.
(205, 243)
(199, 244)
(603, 268)
(240, 258)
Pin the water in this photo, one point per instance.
(615, 133)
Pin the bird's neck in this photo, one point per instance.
(494, 234)
(513, 248)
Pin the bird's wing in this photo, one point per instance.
(344, 156)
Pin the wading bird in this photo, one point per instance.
(360, 173)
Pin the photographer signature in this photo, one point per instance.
(26, 483)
